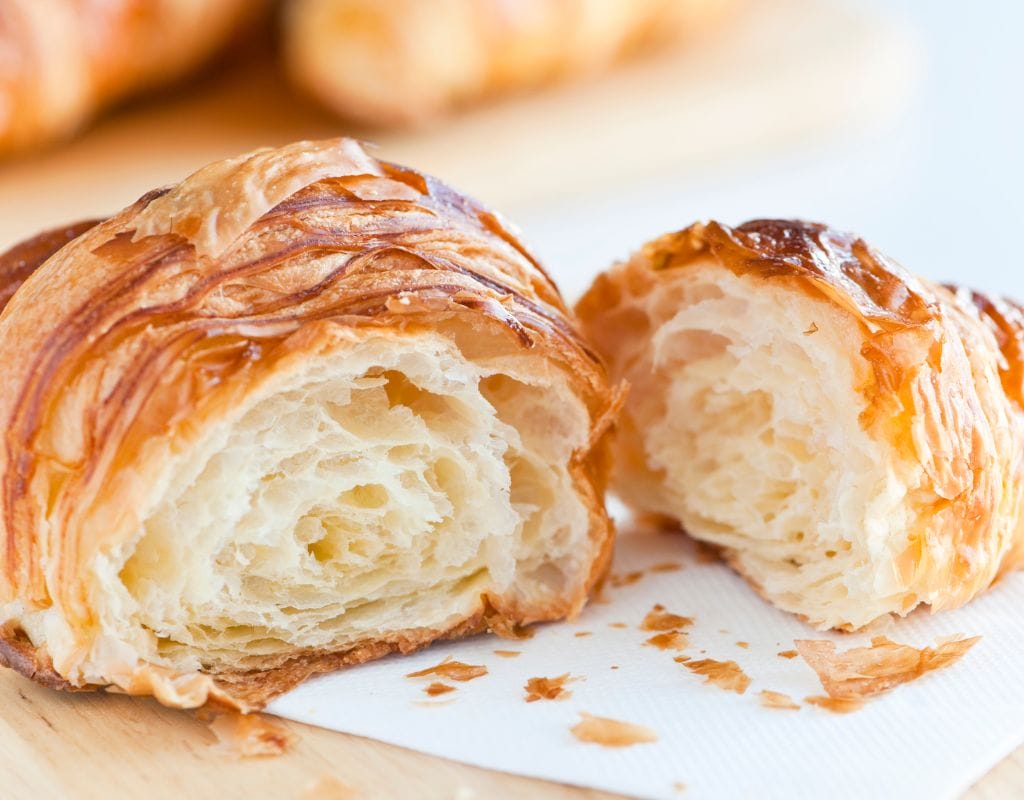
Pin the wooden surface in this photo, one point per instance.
(778, 77)
(107, 747)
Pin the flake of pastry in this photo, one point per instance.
(452, 670)
(770, 699)
(866, 671)
(724, 674)
(658, 619)
(611, 732)
(548, 688)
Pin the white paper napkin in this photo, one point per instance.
(928, 739)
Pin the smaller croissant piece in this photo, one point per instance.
(852, 436)
(405, 61)
(63, 61)
(302, 410)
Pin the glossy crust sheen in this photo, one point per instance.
(123, 333)
(946, 390)
(405, 61)
(62, 61)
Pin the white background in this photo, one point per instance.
(939, 186)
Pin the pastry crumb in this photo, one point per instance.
(617, 581)
(788, 654)
(671, 640)
(867, 671)
(508, 653)
(327, 787)
(812, 329)
(611, 732)
(437, 688)
(837, 705)
(548, 688)
(452, 670)
(744, 645)
(658, 619)
(580, 634)
(724, 674)
(770, 699)
(617, 625)
(248, 735)
(666, 566)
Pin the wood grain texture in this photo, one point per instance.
(109, 747)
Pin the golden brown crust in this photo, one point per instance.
(26, 257)
(119, 339)
(65, 60)
(406, 62)
(931, 352)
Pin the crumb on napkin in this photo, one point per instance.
(770, 699)
(625, 580)
(724, 674)
(548, 688)
(611, 732)
(884, 665)
(788, 654)
(508, 653)
(451, 669)
(670, 640)
(837, 705)
(437, 688)
(658, 619)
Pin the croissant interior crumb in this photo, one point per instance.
(381, 486)
(752, 434)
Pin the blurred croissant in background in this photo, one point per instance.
(406, 61)
(63, 61)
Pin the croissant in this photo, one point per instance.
(849, 435)
(62, 61)
(302, 410)
(405, 61)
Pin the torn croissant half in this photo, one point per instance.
(302, 410)
(850, 435)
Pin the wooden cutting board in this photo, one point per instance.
(780, 75)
